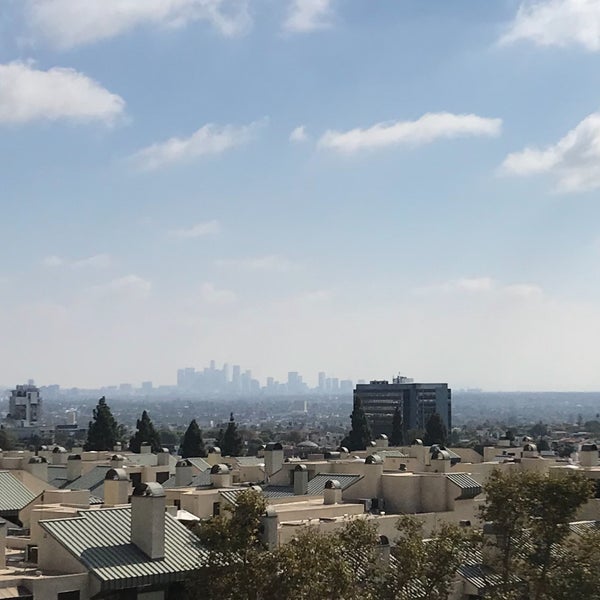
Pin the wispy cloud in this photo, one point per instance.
(305, 16)
(28, 94)
(208, 140)
(211, 294)
(426, 129)
(557, 23)
(481, 286)
(127, 286)
(69, 23)
(203, 229)
(271, 262)
(574, 160)
(97, 261)
(299, 134)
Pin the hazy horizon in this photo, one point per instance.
(301, 185)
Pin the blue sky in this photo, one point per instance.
(359, 186)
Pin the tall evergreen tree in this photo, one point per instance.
(145, 433)
(103, 430)
(230, 441)
(360, 433)
(192, 444)
(397, 438)
(435, 431)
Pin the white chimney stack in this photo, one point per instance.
(116, 487)
(148, 504)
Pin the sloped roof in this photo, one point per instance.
(100, 540)
(199, 480)
(200, 463)
(13, 494)
(584, 527)
(250, 461)
(57, 475)
(8, 593)
(316, 485)
(469, 488)
(92, 480)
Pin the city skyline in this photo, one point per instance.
(301, 182)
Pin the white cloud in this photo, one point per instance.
(261, 263)
(557, 23)
(574, 160)
(28, 94)
(203, 229)
(97, 261)
(426, 129)
(69, 23)
(127, 286)
(305, 16)
(208, 140)
(210, 294)
(299, 134)
(481, 285)
(53, 261)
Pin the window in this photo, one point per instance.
(74, 595)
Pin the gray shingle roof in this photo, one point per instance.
(100, 540)
(198, 480)
(57, 475)
(469, 488)
(315, 486)
(93, 481)
(13, 494)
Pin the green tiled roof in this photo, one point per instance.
(13, 494)
(100, 540)
(198, 480)
(316, 485)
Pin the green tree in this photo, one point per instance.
(238, 566)
(397, 438)
(145, 433)
(435, 431)
(103, 431)
(192, 444)
(531, 514)
(230, 441)
(7, 440)
(426, 565)
(360, 433)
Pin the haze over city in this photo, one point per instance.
(354, 187)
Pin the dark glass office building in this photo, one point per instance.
(417, 401)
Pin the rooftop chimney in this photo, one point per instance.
(273, 458)
(145, 448)
(588, 456)
(332, 494)
(214, 455)
(184, 471)
(58, 456)
(2, 544)
(269, 522)
(220, 476)
(38, 467)
(148, 504)
(300, 480)
(162, 458)
(73, 467)
(116, 487)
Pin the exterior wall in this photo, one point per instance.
(54, 558)
(200, 504)
(47, 588)
(402, 492)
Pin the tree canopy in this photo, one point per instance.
(192, 444)
(397, 437)
(230, 441)
(145, 433)
(435, 431)
(359, 436)
(103, 430)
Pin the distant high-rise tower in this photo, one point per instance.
(25, 404)
(417, 401)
